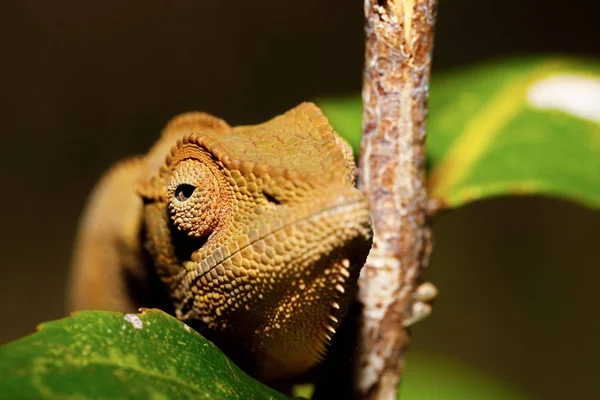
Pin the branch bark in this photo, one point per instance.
(399, 36)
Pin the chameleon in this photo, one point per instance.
(255, 234)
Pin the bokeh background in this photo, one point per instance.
(84, 84)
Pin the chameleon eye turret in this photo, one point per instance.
(193, 196)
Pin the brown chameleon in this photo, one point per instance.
(257, 234)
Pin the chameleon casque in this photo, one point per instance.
(255, 233)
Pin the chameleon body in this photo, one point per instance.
(255, 233)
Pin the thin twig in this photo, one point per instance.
(399, 36)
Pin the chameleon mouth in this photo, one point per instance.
(351, 214)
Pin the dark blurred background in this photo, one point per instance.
(84, 84)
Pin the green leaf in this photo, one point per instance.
(528, 126)
(429, 377)
(106, 355)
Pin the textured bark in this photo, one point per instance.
(399, 36)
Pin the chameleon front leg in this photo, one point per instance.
(108, 262)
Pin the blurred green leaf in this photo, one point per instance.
(429, 377)
(529, 126)
(106, 355)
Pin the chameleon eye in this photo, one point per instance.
(193, 198)
(184, 192)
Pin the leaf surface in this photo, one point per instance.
(108, 355)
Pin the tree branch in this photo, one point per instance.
(399, 36)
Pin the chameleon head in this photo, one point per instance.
(259, 233)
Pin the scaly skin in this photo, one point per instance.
(256, 232)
